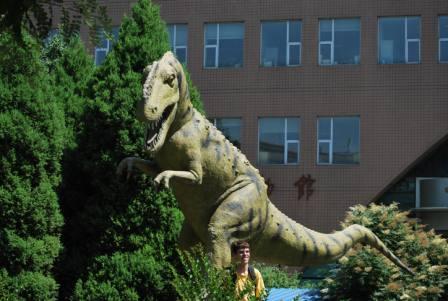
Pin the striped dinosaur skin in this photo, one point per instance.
(223, 197)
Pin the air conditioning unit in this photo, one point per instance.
(431, 193)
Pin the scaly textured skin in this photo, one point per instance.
(223, 197)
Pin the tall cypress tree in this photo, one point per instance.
(32, 135)
(117, 228)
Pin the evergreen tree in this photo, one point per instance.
(116, 228)
(71, 70)
(32, 132)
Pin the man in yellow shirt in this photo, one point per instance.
(245, 272)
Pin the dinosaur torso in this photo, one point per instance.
(224, 168)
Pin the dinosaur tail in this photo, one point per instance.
(290, 243)
(365, 236)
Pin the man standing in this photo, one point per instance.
(245, 272)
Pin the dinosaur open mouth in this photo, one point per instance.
(154, 128)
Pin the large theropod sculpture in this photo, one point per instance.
(223, 197)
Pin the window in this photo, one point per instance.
(223, 45)
(105, 44)
(178, 40)
(230, 127)
(399, 40)
(339, 41)
(52, 33)
(338, 140)
(278, 140)
(443, 39)
(280, 43)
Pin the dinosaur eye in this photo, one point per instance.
(169, 80)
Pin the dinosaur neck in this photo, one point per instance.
(185, 111)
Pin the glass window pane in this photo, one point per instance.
(444, 51)
(210, 56)
(293, 125)
(102, 41)
(171, 35)
(413, 27)
(294, 31)
(115, 32)
(294, 55)
(325, 30)
(392, 40)
(325, 54)
(231, 45)
(324, 152)
(293, 153)
(413, 52)
(181, 54)
(346, 41)
(273, 45)
(211, 31)
(346, 140)
(100, 56)
(443, 27)
(271, 140)
(324, 128)
(181, 35)
(231, 128)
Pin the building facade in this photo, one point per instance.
(335, 102)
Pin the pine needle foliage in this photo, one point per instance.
(32, 140)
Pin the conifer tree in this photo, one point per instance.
(32, 132)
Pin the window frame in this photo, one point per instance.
(442, 39)
(174, 47)
(288, 43)
(285, 142)
(407, 41)
(216, 46)
(331, 43)
(330, 142)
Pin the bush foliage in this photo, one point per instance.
(201, 281)
(365, 274)
(32, 139)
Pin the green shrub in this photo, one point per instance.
(365, 274)
(201, 281)
(32, 139)
(276, 277)
(139, 275)
(27, 286)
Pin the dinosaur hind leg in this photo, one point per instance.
(239, 217)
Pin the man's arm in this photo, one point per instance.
(259, 285)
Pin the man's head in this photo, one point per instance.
(241, 252)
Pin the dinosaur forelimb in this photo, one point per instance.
(129, 164)
(164, 177)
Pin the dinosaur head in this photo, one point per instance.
(164, 96)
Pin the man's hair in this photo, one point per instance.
(239, 245)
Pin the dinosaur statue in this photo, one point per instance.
(222, 196)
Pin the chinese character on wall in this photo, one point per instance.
(305, 186)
